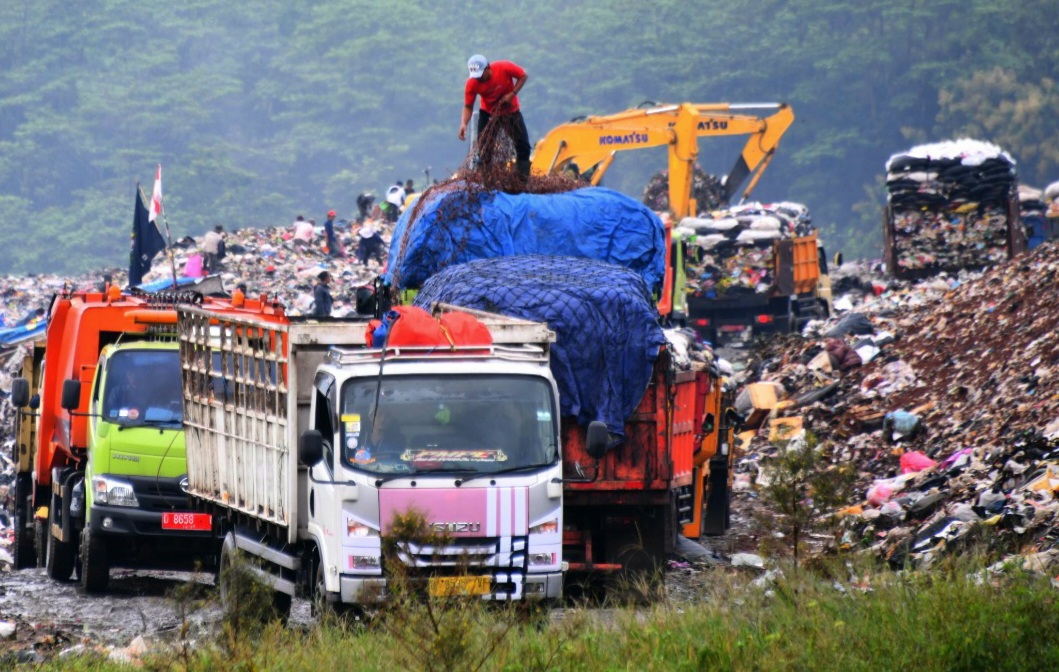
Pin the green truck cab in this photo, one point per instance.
(135, 501)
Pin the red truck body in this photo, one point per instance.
(627, 512)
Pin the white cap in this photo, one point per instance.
(476, 65)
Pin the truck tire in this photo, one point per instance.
(323, 610)
(242, 594)
(40, 540)
(716, 502)
(24, 551)
(95, 566)
(642, 550)
(61, 554)
(230, 576)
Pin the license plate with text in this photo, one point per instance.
(197, 522)
(449, 586)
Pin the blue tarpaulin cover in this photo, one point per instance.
(457, 226)
(606, 325)
(24, 332)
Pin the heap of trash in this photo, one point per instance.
(942, 395)
(706, 189)
(731, 250)
(950, 202)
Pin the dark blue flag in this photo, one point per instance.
(146, 241)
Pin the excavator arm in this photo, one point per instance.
(592, 143)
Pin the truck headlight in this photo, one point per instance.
(355, 529)
(113, 491)
(542, 559)
(547, 527)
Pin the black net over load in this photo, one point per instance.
(950, 202)
(706, 189)
(606, 325)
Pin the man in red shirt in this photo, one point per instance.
(497, 84)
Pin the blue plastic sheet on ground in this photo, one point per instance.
(606, 325)
(456, 226)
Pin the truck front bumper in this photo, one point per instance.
(370, 590)
(139, 540)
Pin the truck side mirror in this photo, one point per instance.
(596, 439)
(734, 420)
(71, 394)
(19, 392)
(708, 424)
(311, 447)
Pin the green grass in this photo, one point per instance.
(945, 620)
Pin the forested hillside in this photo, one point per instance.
(261, 110)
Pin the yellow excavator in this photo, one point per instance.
(591, 143)
(801, 289)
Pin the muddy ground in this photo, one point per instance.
(158, 608)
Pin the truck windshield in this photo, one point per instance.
(142, 387)
(460, 424)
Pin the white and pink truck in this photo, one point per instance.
(304, 443)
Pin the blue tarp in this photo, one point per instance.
(456, 226)
(164, 283)
(24, 332)
(606, 325)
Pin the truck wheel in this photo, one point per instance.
(243, 596)
(641, 550)
(95, 567)
(25, 553)
(61, 554)
(715, 503)
(323, 610)
(40, 540)
(231, 576)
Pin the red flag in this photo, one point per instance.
(156, 195)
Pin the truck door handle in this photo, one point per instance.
(312, 502)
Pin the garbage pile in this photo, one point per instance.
(944, 397)
(950, 206)
(706, 189)
(731, 250)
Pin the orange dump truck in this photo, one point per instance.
(762, 288)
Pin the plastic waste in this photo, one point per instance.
(915, 461)
(853, 323)
(880, 493)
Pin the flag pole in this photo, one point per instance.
(168, 238)
(169, 248)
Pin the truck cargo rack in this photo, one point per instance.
(525, 353)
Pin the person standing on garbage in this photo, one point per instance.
(322, 300)
(497, 84)
(332, 240)
(364, 202)
(371, 244)
(213, 247)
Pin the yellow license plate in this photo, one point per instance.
(449, 586)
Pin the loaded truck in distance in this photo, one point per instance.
(950, 206)
(307, 440)
(754, 270)
(100, 454)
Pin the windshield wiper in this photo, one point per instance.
(509, 470)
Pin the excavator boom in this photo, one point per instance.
(592, 143)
